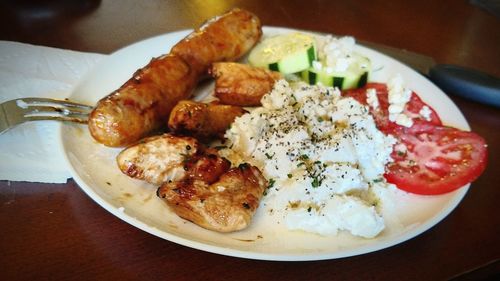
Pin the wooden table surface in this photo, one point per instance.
(56, 232)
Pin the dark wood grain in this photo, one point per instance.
(56, 232)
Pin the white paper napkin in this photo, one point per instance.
(30, 152)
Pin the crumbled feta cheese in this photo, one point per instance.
(404, 120)
(371, 98)
(425, 112)
(279, 98)
(398, 96)
(317, 65)
(395, 109)
(317, 147)
(352, 179)
(336, 52)
(243, 136)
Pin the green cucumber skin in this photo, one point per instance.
(363, 80)
(312, 77)
(311, 54)
(274, 67)
(338, 82)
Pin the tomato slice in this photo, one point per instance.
(437, 159)
(381, 114)
(416, 104)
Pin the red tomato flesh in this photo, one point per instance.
(437, 159)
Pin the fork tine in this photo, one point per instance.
(53, 102)
(48, 109)
(21, 110)
(42, 109)
(57, 118)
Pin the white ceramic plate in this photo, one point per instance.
(93, 167)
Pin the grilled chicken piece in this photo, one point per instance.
(241, 84)
(201, 120)
(206, 167)
(159, 158)
(196, 182)
(225, 205)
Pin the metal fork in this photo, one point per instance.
(17, 111)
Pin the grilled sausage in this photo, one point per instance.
(143, 104)
(224, 38)
(203, 120)
(241, 84)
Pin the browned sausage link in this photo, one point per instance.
(234, 34)
(143, 104)
(202, 120)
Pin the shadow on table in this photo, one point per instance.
(41, 14)
(492, 6)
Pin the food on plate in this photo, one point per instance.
(337, 64)
(322, 152)
(431, 159)
(227, 37)
(195, 181)
(325, 152)
(225, 205)
(241, 84)
(158, 159)
(393, 105)
(286, 53)
(204, 121)
(316, 152)
(142, 105)
(324, 60)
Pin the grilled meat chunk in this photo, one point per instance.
(225, 205)
(241, 84)
(158, 159)
(203, 120)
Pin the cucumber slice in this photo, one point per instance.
(287, 53)
(342, 80)
(355, 76)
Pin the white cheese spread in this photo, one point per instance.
(321, 154)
